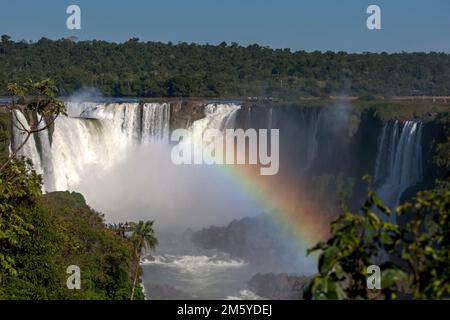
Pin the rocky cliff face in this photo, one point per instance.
(183, 112)
(253, 239)
(326, 153)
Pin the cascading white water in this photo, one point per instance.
(29, 150)
(46, 156)
(81, 144)
(217, 116)
(93, 137)
(399, 161)
(155, 121)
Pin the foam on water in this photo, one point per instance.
(245, 295)
(194, 264)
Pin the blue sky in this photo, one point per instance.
(407, 25)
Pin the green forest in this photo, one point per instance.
(154, 69)
(41, 235)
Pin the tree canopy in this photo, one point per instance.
(42, 234)
(152, 69)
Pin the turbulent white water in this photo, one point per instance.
(245, 295)
(93, 137)
(399, 160)
(96, 137)
(155, 122)
(194, 264)
(118, 156)
(198, 273)
(29, 150)
(217, 116)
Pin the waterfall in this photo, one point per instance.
(310, 120)
(399, 161)
(29, 150)
(217, 116)
(47, 163)
(155, 121)
(94, 136)
(230, 120)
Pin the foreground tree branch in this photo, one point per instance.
(38, 101)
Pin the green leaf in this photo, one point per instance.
(393, 279)
(374, 220)
(327, 259)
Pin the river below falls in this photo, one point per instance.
(175, 271)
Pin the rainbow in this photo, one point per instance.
(288, 205)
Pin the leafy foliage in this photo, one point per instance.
(20, 187)
(143, 238)
(357, 241)
(38, 97)
(426, 242)
(413, 259)
(150, 69)
(41, 235)
(67, 232)
(38, 101)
